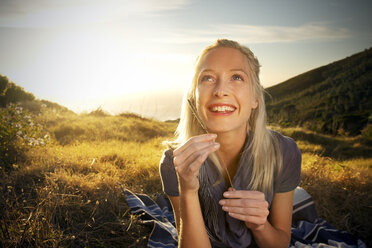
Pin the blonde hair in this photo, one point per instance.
(267, 159)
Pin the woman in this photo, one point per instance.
(263, 165)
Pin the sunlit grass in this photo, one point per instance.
(69, 193)
(89, 164)
(339, 182)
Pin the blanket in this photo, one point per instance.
(308, 230)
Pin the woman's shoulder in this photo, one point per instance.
(287, 145)
(290, 173)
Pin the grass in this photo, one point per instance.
(337, 172)
(69, 193)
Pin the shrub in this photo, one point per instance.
(18, 132)
(99, 112)
(367, 131)
(131, 115)
(12, 93)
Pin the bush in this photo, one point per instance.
(131, 115)
(18, 132)
(12, 93)
(99, 112)
(367, 132)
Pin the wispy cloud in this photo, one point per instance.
(46, 13)
(257, 34)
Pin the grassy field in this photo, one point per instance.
(68, 192)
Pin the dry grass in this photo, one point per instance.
(72, 195)
(339, 182)
(69, 192)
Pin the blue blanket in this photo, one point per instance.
(307, 229)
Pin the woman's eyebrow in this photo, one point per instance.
(210, 70)
(205, 70)
(241, 70)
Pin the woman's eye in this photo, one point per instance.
(237, 77)
(207, 78)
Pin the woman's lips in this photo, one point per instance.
(221, 108)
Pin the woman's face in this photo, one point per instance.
(224, 94)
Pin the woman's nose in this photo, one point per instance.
(221, 89)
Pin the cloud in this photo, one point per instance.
(46, 13)
(257, 34)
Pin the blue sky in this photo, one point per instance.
(84, 54)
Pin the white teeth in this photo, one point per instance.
(222, 109)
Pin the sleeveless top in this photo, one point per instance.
(223, 230)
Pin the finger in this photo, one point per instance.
(248, 203)
(193, 144)
(263, 212)
(191, 152)
(247, 194)
(196, 139)
(196, 160)
(193, 168)
(248, 218)
(230, 189)
(208, 149)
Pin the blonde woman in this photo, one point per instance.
(230, 179)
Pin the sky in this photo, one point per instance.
(138, 56)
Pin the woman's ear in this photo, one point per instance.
(254, 103)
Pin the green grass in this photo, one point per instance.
(68, 193)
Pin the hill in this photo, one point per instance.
(335, 98)
(12, 93)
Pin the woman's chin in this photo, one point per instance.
(226, 127)
(220, 129)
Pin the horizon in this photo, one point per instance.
(151, 104)
(115, 54)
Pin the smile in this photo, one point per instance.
(218, 108)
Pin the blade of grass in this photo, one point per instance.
(195, 112)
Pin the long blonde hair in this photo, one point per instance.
(267, 159)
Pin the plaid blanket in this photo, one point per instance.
(307, 229)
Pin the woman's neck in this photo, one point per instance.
(231, 144)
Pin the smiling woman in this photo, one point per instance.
(264, 166)
(225, 71)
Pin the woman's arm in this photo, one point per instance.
(192, 221)
(187, 160)
(277, 231)
(175, 200)
(251, 207)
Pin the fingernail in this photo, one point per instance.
(226, 194)
(222, 202)
(216, 145)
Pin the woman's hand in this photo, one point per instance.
(248, 206)
(189, 157)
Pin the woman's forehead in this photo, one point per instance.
(224, 57)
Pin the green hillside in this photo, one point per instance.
(12, 93)
(335, 98)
